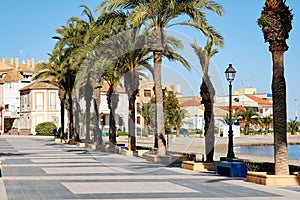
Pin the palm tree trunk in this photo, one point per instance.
(88, 119)
(88, 99)
(98, 132)
(280, 115)
(177, 131)
(62, 113)
(76, 125)
(146, 129)
(266, 130)
(112, 122)
(131, 85)
(159, 103)
(70, 116)
(246, 129)
(131, 124)
(207, 94)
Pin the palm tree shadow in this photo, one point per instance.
(13, 154)
(225, 179)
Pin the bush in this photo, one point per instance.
(122, 134)
(45, 128)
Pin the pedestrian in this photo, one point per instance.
(66, 134)
(54, 133)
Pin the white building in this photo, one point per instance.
(13, 76)
(39, 103)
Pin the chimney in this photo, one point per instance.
(32, 63)
(11, 61)
(17, 62)
(3, 59)
(28, 62)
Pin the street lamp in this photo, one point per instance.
(230, 74)
(196, 122)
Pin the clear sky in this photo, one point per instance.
(27, 28)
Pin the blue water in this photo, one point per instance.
(293, 150)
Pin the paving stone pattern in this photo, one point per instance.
(39, 168)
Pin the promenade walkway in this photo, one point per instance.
(39, 168)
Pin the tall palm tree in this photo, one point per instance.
(266, 122)
(70, 41)
(132, 54)
(249, 116)
(51, 73)
(276, 23)
(112, 76)
(207, 92)
(158, 16)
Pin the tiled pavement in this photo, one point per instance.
(39, 168)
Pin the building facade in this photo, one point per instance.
(39, 103)
(13, 76)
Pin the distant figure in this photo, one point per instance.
(54, 133)
(184, 133)
(105, 133)
(66, 134)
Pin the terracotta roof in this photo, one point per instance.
(105, 88)
(234, 108)
(190, 102)
(38, 85)
(25, 68)
(5, 67)
(12, 76)
(260, 101)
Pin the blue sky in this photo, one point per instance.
(29, 25)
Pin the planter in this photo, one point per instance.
(198, 166)
(162, 159)
(265, 178)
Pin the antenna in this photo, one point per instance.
(296, 113)
(21, 52)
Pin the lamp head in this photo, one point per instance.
(230, 73)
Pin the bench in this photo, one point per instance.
(232, 169)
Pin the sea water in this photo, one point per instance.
(293, 150)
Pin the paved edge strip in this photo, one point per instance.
(3, 194)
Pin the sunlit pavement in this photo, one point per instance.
(39, 168)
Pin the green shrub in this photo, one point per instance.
(45, 128)
(122, 134)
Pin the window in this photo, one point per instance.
(138, 120)
(147, 93)
(52, 100)
(39, 101)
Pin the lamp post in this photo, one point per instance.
(230, 74)
(196, 122)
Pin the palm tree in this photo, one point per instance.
(147, 111)
(157, 16)
(179, 115)
(248, 116)
(70, 41)
(51, 73)
(266, 122)
(207, 92)
(293, 125)
(276, 23)
(132, 54)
